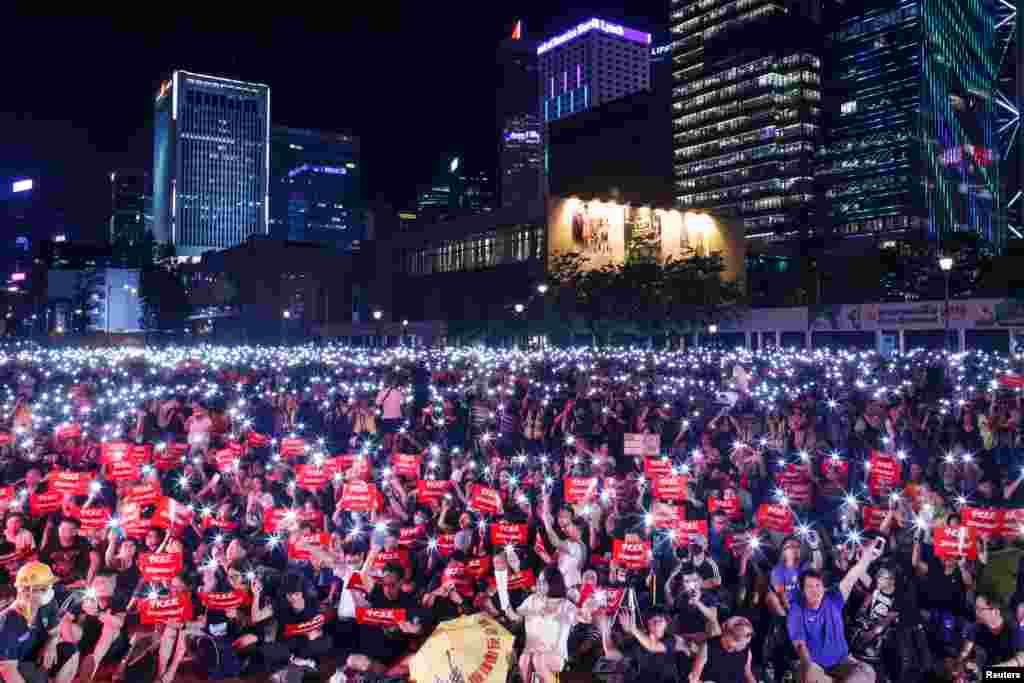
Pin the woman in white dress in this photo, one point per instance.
(549, 617)
(571, 553)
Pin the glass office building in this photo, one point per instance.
(911, 149)
(316, 190)
(211, 162)
(746, 110)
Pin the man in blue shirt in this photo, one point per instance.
(815, 624)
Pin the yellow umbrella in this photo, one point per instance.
(473, 649)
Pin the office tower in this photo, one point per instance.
(911, 146)
(518, 126)
(316, 191)
(211, 162)
(455, 191)
(745, 111)
(128, 192)
(590, 64)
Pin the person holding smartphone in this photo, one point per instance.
(815, 624)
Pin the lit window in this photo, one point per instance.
(849, 107)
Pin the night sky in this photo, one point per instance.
(415, 80)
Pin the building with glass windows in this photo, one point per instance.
(518, 125)
(590, 64)
(911, 147)
(316, 191)
(211, 162)
(746, 111)
(129, 189)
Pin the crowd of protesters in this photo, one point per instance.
(701, 515)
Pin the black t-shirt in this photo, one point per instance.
(723, 666)
(941, 591)
(998, 647)
(655, 666)
(69, 564)
(688, 618)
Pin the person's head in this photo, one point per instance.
(153, 539)
(987, 609)
(103, 585)
(812, 586)
(235, 550)
(293, 588)
(791, 552)
(33, 477)
(698, 546)
(719, 522)
(34, 586)
(551, 583)
(737, 633)
(67, 531)
(13, 525)
(391, 580)
(127, 550)
(886, 579)
(657, 625)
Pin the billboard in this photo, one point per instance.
(609, 232)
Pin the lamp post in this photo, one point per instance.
(946, 264)
(377, 315)
(405, 333)
(286, 315)
(713, 330)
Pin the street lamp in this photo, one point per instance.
(946, 264)
(542, 288)
(519, 308)
(377, 315)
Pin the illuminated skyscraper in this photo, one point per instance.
(746, 109)
(315, 193)
(518, 129)
(128, 190)
(912, 148)
(590, 64)
(211, 156)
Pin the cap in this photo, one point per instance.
(35, 575)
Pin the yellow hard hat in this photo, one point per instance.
(35, 575)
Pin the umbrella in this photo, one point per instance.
(472, 649)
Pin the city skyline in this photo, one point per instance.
(76, 134)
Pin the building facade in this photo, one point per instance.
(518, 124)
(590, 64)
(128, 192)
(746, 111)
(911, 146)
(211, 162)
(316, 190)
(455, 191)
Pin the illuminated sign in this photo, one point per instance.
(329, 170)
(530, 137)
(21, 186)
(454, 166)
(517, 30)
(592, 25)
(17, 277)
(164, 89)
(661, 50)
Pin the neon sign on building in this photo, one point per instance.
(595, 25)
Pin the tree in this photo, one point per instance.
(165, 302)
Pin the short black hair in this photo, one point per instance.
(809, 574)
(556, 582)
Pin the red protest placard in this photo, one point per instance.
(956, 542)
(225, 601)
(686, 529)
(517, 581)
(310, 477)
(298, 547)
(668, 516)
(478, 567)
(508, 533)
(641, 444)
(580, 489)
(70, 483)
(484, 500)
(93, 518)
(385, 618)
(143, 494)
(884, 474)
(1013, 523)
(775, 517)
(445, 544)
(226, 460)
(987, 522)
(455, 573)
(293, 447)
(137, 527)
(123, 470)
(657, 467)
(170, 511)
(314, 624)
(6, 439)
(351, 466)
(68, 430)
(114, 451)
(277, 520)
(873, 517)
(411, 536)
(631, 555)
(166, 459)
(730, 506)
(160, 567)
(386, 557)
(141, 454)
(670, 488)
(175, 607)
(608, 600)
(40, 504)
(358, 496)
(406, 464)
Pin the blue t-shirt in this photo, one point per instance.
(821, 629)
(787, 577)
